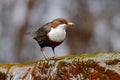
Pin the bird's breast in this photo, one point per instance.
(57, 35)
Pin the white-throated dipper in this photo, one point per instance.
(52, 34)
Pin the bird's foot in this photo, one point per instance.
(46, 58)
(54, 57)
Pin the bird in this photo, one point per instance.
(52, 34)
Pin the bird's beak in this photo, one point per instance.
(70, 24)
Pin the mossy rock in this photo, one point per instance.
(93, 66)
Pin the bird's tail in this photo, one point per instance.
(30, 34)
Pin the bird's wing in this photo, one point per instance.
(41, 32)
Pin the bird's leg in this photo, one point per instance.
(42, 49)
(53, 50)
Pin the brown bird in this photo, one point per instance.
(52, 34)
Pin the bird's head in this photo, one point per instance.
(60, 23)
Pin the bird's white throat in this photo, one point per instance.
(57, 34)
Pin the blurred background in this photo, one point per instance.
(97, 27)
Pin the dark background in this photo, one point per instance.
(97, 27)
